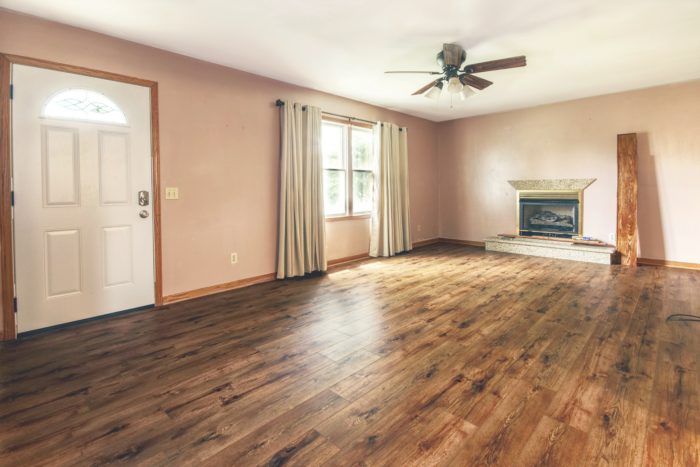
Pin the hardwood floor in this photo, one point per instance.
(446, 356)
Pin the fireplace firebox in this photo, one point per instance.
(550, 213)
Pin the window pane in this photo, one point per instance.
(332, 146)
(334, 192)
(362, 142)
(362, 191)
(83, 104)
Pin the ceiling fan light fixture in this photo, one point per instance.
(459, 79)
(454, 86)
(434, 92)
(466, 93)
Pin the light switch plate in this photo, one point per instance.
(172, 193)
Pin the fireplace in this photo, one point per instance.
(549, 213)
(550, 207)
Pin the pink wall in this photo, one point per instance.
(219, 133)
(577, 139)
(219, 144)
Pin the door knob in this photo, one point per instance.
(143, 214)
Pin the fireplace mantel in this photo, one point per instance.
(577, 184)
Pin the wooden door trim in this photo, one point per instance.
(6, 259)
(6, 264)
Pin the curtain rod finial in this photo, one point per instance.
(279, 102)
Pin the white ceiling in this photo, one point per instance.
(574, 48)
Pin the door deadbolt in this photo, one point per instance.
(143, 198)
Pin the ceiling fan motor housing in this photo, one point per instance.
(450, 58)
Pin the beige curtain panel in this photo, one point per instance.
(391, 224)
(302, 238)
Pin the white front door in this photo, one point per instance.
(81, 149)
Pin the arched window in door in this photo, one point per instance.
(84, 105)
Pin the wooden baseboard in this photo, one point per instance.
(212, 289)
(426, 242)
(347, 259)
(667, 264)
(455, 241)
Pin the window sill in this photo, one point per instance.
(348, 218)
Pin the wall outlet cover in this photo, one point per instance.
(172, 193)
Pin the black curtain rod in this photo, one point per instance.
(280, 103)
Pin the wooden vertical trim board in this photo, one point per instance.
(627, 198)
(155, 167)
(8, 330)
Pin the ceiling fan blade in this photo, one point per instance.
(475, 82)
(502, 64)
(425, 72)
(453, 54)
(425, 88)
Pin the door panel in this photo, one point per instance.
(115, 186)
(60, 166)
(63, 262)
(81, 248)
(118, 255)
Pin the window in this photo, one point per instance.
(348, 179)
(83, 104)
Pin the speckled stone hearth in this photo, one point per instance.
(552, 249)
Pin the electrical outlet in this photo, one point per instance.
(234, 258)
(172, 193)
(611, 238)
(420, 227)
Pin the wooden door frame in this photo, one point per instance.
(7, 307)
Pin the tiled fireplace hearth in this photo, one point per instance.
(550, 208)
(552, 249)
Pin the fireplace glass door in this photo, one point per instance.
(549, 217)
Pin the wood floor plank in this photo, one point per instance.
(502, 435)
(554, 444)
(673, 435)
(430, 439)
(624, 405)
(280, 435)
(448, 355)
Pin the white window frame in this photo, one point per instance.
(347, 157)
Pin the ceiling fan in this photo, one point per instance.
(460, 80)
